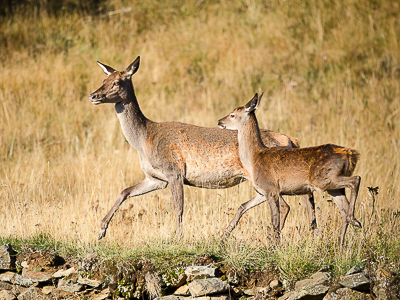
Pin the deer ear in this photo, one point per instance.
(106, 69)
(252, 105)
(133, 67)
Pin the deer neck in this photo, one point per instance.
(250, 142)
(133, 122)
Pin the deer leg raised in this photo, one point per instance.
(149, 184)
(256, 200)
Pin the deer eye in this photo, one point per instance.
(232, 115)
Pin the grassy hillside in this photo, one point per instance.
(330, 72)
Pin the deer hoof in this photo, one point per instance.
(102, 234)
(355, 223)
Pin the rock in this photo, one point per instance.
(64, 273)
(387, 285)
(181, 280)
(7, 257)
(5, 286)
(69, 286)
(353, 270)
(7, 295)
(24, 264)
(90, 282)
(32, 293)
(254, 291)
(7, 276)
(103, 295)
(199, 272)
(219, 297)
(347, 294)
(209, 286)
(30, 278)
(37, 276)
(182, 291)
(262, 293)
(275, 284)
(171, 297)
(316, 279)
(47, 290)
(312, 292)
(286, 296)
(357, 281)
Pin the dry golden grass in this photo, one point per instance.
(330, 71)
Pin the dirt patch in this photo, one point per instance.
(39, 261)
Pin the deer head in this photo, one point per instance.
(117, 86)
(240, 115)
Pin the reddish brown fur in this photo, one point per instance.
(277, 172)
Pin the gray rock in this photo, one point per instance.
(47, 290)
(64, 273)
(7, 257)
(356, 281)
(312, 292)
(7, 295)
(7, 276)
(355, 269)
(32, 293)
(316, 279)
(90, 282)
(69, 286)
(182, 291)
(30, 277)
(209, 286)
(199, 272)
(347, 294)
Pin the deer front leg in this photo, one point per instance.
(176, 183)
(149, 184)
(256, 200)
(273, 201)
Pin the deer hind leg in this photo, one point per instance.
(339, 197)
(256, 200)
(310, 205)
(283, 212)
(147, 185)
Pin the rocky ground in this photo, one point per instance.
(43, 275)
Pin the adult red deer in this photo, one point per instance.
(176, 153)
(277, 172)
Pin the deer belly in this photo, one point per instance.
(213, 173)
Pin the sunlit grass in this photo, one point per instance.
(330, 72)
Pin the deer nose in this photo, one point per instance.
(221, 124)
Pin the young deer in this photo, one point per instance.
(277, 172)
(177, 153)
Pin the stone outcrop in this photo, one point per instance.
(42, 275)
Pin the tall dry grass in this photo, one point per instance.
(330, 71)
